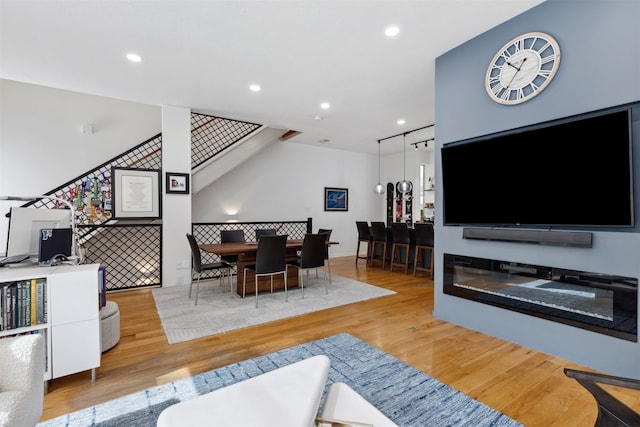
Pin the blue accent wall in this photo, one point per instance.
(599, 69)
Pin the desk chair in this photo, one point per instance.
(424, 242)
(364, 235)
(378, 241)
(400, 249)
(312, 257)
(264, 232)
(270, 260)
(231, 236)
(199, 267)
(326, 232)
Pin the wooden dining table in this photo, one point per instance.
(246, 252)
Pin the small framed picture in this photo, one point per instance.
(177, 183)
(336, 199)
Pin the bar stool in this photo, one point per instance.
(378, 240)
(364, 235)
(401, 246)
(424, 242)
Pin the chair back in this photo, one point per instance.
(312, 254)
(424, 234)
(231, 236)
(195, 253)
(378, 231)
(264, 232)
(363, 230)
(326, 232)
(400, 231)
(270, 257)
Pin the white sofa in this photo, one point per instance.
(21, 380)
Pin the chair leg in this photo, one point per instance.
(256, 291)
(358, 252)
(197, 289)
(329, 268)
(286, 295)
(244, 283)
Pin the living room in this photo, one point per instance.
(578, 88)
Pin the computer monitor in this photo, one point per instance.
(25, 225)
(55, 245)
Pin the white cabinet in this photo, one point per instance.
(72, 322)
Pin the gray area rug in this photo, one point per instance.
(219, 310)
(404, 394)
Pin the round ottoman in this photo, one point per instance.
(109, 325)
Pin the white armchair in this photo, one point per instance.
(21, 380)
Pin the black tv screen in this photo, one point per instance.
(575, 172)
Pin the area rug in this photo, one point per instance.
(219, 310)
(404, 394)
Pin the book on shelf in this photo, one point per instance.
(22, 303)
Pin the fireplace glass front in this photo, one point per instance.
(598, 302)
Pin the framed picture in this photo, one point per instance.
(336, 199)
(177, 183)
(135, 193)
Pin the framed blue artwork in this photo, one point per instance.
(336, 199)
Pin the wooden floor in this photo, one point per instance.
(528, 386)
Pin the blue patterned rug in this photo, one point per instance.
(403, 393)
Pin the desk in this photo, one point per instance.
(247, 255)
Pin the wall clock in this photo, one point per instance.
(522, 68)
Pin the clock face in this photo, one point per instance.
(522, 68)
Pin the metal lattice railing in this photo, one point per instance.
(212, 135)
(131, 252)
(210, 233)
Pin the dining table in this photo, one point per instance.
(246, 252)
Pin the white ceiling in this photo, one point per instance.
(204, 54)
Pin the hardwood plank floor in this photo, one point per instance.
(527, 385)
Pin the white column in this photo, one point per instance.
(176, 208)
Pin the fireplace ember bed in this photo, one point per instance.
(597, 302)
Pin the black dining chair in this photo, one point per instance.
(199, 267)
(379, 240)
(401, 246)
(364, 236)
(270, 261)
(327, 233)
(231, 236)
(265, 232)
(423, 248)
(312, 257)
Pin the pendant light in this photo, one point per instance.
(404, 186)
(379, 188)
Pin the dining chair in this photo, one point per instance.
(199, 267)
(424, 242)
(364, 235)
(312, 257)
(265, 232)
(401, 246)
(326, 232)
(379, 240)
(231, 236)
(270, 261)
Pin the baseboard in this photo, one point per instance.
(580, 239)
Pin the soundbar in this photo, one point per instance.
(581, 239)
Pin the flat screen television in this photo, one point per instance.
(575, 172)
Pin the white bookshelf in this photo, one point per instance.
(72, 322)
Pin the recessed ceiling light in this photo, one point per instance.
(134, 57)
(325, 105)
(255, 88)
(392, 31)
(401, 121)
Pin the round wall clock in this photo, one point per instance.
(522, 68)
